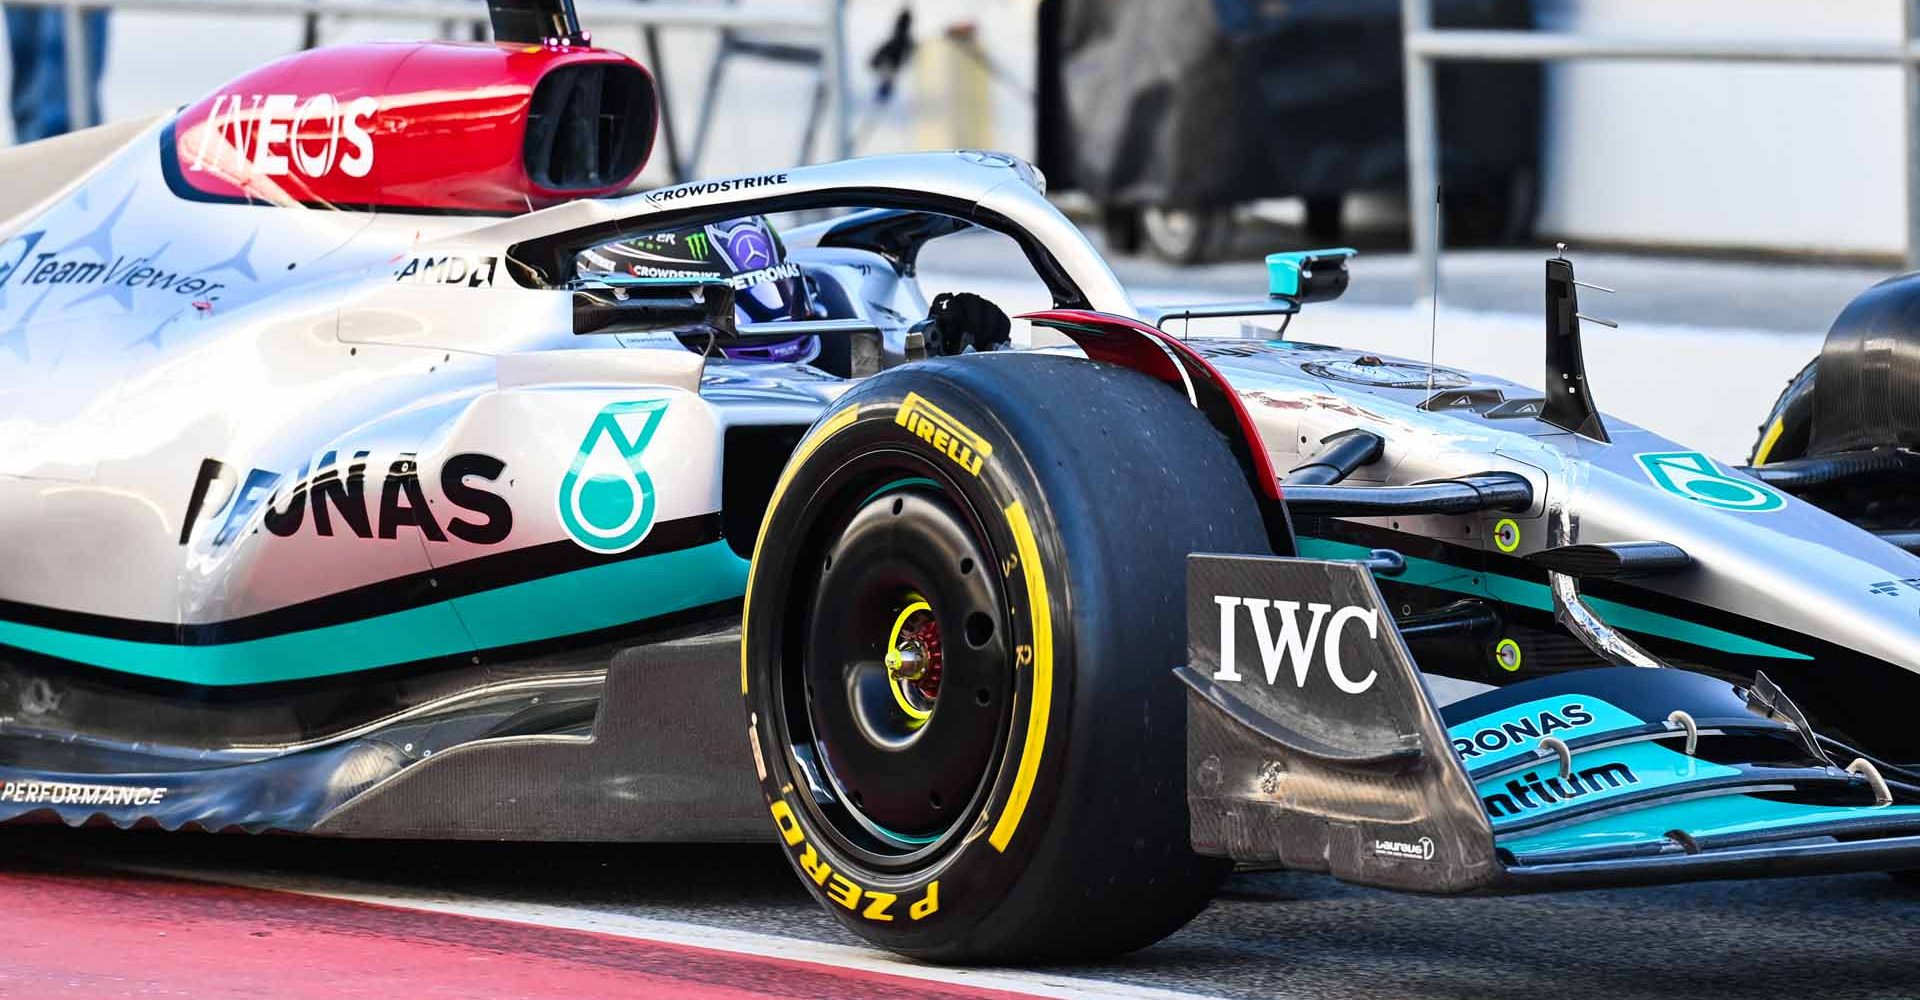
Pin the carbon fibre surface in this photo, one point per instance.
(667, 760)
(1334, 761)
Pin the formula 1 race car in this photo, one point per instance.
(373, 465)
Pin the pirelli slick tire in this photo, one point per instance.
(965, 606)
(1789, 425)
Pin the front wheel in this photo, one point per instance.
(1788, 428)
(966, 603)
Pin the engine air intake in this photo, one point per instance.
(589, 126)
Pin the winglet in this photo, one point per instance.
(1569, 397)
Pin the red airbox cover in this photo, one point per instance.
(424, 127)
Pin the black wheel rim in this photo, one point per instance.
(897, 717)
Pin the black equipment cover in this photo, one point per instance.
(1209, 103)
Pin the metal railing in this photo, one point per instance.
(1426, 45)
(827, 17)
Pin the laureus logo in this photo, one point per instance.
(1405, 850)
(606, 498)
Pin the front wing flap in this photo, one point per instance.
(1314, 743)
(1311, 740)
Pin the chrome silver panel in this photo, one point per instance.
(1794, 565)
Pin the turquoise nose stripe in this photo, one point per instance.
(1529, 594)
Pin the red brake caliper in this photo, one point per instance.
(925, 634)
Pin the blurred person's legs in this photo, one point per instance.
(36, 40)
(24, 24)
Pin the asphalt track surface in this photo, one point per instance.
(85, 915)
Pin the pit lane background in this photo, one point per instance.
(1656, 155)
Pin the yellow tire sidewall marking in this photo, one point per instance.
(833, 425)
(1761, 453)
(1040, 609)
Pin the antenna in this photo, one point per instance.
(1433, 328)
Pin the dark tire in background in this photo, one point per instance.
(967, 598)
(1325, 219)
(1186, 236)
(1497, 211)
(1121, 224)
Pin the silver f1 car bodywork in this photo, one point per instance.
(254, 448)
(338, 521)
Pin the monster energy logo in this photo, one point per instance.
(606, 498)
(697, 246)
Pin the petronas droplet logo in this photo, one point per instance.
(1693, 475)
(606, 498)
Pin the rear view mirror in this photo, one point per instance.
(647, 305)
(1308, 275)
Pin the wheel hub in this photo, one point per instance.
(907, 678)
(913, 659)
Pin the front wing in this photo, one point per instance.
(1314, 743)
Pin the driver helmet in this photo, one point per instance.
(746, 253)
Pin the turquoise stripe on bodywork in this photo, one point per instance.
(1530, 594)
(1645, 766)
(604, 596)
(1708, 817)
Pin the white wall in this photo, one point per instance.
(1781, 157)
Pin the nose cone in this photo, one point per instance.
(1758, 554)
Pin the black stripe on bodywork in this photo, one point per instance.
(431, 586)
